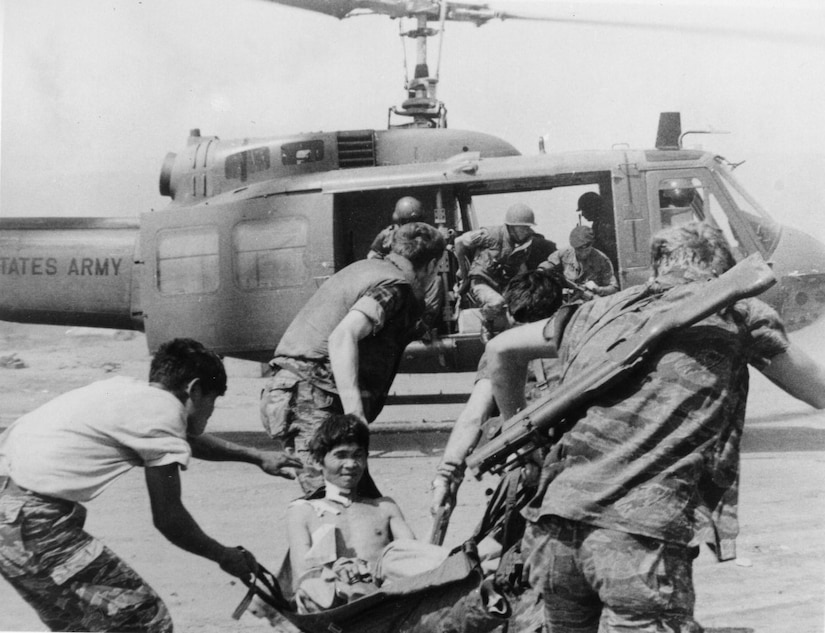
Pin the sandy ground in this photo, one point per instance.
(777, 586)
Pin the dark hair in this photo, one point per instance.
(695, 245)
(179, 361)
(532, 296)
(419, 242)
(338, 429)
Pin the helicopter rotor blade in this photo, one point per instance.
(572, 13)
(349, 8)
(590, 15)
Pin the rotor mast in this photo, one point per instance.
(422, 104)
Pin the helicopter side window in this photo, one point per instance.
(243, 164)
(302, 152)
(187, 260)
(269, 254)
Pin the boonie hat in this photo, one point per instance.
(581, 236)
(519, 215)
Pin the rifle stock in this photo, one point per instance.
(531, 425)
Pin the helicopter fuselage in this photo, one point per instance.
(255, 227)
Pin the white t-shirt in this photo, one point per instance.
(76, 445)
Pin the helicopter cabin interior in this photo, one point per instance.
(458, 208)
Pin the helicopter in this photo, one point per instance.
(254, 226)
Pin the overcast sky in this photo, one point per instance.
(96, 92)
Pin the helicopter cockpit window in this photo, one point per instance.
(270, 253)
(188, 260)
(683, 200)
(680, 201)
(243, 164)
(302, 152)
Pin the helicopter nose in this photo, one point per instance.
(799, 265)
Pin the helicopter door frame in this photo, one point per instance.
(234, 275)
(715, 207)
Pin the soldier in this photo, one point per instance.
(407, 209)
(591, 208)
(588, 270)
(530, 296)
(644, 466)
(70, 449)
(341, 352)
(489, 257)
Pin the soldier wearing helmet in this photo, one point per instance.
(341, 352)
(489, 257)
(678, 192)
(586, 269)
(407, 209)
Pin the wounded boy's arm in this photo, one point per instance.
(299, 538)
(398, 524)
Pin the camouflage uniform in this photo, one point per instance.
(647, 464)
(74, 582)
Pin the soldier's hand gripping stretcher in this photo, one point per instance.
(542, 422)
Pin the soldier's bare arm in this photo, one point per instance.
(343, 357)
(798, 374)
(508, 356)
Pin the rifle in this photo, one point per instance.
(558, 276)
(531, 426)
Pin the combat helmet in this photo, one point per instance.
(519, 215)
(590, 205)
(407, 209)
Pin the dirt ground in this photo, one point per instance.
(777, 585)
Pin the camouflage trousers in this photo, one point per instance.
(72, 580)
(599, 580)
(292, 409)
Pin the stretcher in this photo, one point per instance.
(456, 597)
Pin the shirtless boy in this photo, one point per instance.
(344, 532)
(364, 527)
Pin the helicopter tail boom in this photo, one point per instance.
(68, 271)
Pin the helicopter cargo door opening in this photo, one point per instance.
(232, 276)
